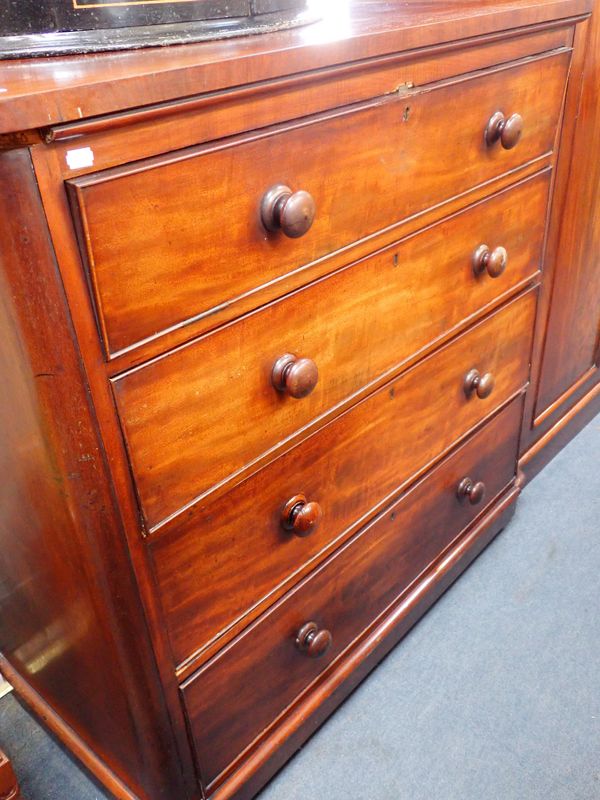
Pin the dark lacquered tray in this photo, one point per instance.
(53, 27)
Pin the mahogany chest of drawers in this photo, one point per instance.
(274, 341)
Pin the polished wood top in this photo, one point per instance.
(42, 92)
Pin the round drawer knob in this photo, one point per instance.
(295, 376)
(481, 385)
(491, 261)
(292, 213)
(471, 491)
(312, 641)
(300, 516)
(506, 131)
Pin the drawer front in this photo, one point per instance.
(173, 238)
(240, 692)
(203, 413)
(227, 556)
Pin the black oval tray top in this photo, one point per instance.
(52, 27)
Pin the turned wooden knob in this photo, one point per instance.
(292, 213)
(300, 516)
(481, 385)
(295, 376)
(312, 641)
(506, 131)
(471, 491)
(491, 261)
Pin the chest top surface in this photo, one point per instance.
(40, 92)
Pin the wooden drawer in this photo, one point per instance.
(221, 562)
(171, 239)
(208, 410)
(247, 686)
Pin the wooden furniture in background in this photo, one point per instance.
(267, 315)
(565, 392)
(9, 787)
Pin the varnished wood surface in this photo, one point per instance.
(560, 434)
(572, 336)
(335, 684)
(90, 757)
(182, 122)
(225, 559)
(202, 414)
(245, 688)
(68, 603)
(9, 787)
(162, 238)
(44, 92)
(80, 298)
(230, 563)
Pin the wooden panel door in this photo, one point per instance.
(567, 353)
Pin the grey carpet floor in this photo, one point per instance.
(494, 695)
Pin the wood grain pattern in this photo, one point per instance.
(298, 723)
(566, 354)
(268, 522)
(572, 335)
(206, 411)
(72, 625)
(48, 91)
(151, 130)
(214, 566)
(249, 684)
(78, 747)
(60, 223)
(162, 238)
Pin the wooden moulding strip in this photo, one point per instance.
(334, 72)
(575, 387)
(321, 700)
(69, 737)
(560, 434)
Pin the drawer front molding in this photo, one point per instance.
(176, 238)
(243, 690)
(221, 561)
(269, 311)
(208, 411)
